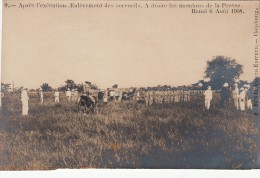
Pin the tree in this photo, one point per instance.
(45, 87)
(5, 87)
(18, 89)
(115, 86)
(222, 69)
(70, 84)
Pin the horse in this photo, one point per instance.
(129, 95)
(85, 102)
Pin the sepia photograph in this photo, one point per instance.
(129, 84)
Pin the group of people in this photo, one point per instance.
(166, 96)
(71, 94)
(241, 98)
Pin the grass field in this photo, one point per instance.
(125, 134)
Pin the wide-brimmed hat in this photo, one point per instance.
(225, 84)
(242, 88)
(236, 84)
(209, 87)
(87, 82)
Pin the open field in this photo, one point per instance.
(125, 135)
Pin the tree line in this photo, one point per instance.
(219, 70)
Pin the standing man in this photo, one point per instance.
(56, 96)
(249, 97)
(235, 94)
(68, 94)
(146, 97)
(137, 95)
(41, 95)
(105, 96)
(87, 88)
(242, 99)
(224, 94)
(151, 97)
(208, 97)
(72, 94)
(88, 91)
(25, 103)
(76, 94)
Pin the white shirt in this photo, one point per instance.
(242, 95)
(112, 93)
(41, 94)
(56, 94)
(235, 93)
(208, 94)
(24, 96)
(68, 93)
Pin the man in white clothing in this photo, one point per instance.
(249, 97)
(105, 96)
(41, 95)
(208, 97)
(25, 105)
(242, 98)
(56, 96)
(235, 94)
(68, 94)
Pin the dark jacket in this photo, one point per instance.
(224, 93)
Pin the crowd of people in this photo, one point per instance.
(241, 98)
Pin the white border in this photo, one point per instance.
(124, 173)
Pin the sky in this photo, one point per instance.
(128, 47)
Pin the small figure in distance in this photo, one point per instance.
(249, 97)
(235, 94)
(208, 97)
(242, 98)
(56, 96)
(41, 95)
(25, 102)
(224, 94)
(68, 94)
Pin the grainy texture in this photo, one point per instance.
(125, 135)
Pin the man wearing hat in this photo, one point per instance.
(208, 97)
(88, 91)
(235, 94)
(25, 99)
(224, 94)
(242, 98)
(87, 87)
